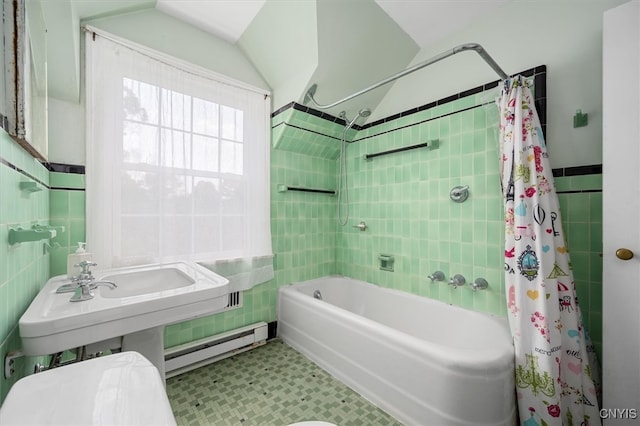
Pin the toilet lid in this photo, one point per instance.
(119, 389)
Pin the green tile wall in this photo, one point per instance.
(303, 234)
(582, 222)
(67, 208)
(302, 227)
(404, 199)
(24, 267)
(304, 133)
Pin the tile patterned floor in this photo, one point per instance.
(270, 385)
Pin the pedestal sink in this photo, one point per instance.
(146, 299)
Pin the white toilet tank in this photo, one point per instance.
(118, 389)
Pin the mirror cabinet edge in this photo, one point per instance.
(16, 52)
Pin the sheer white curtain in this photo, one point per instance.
(177, 161)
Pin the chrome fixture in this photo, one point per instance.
(479, 284)
(457, 280)
(460, 48)
(362, 226)
(85, 290)
(459, 194)
(364, 112)
(343, 187)
(317, 295)
(436, 276)
(386, 262)
(83, 284)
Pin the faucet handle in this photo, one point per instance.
(457, 280)
(479, 284)
(85, 265)
(362, 226)
(436, 276)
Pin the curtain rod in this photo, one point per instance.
(174, 61)
(461, 48)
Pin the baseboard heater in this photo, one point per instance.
(192, 355)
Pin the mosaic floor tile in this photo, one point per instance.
(270, 385)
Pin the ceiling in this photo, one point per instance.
(425, 21)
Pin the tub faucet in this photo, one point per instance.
(457, 280)
(436, 276)
(479, 284)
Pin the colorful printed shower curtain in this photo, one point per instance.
(556, 371)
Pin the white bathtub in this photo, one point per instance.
(422, 361)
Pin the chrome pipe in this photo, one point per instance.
(461, 48)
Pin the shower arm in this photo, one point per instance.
(461, 48)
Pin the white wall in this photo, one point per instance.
(158, 31)
(282, 43)
(66, 132)
(564, 35)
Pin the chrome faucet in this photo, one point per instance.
(479, 284)
(83, 284)
(436, 276)
(457, 280)
(84, 291)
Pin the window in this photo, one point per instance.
(177, 161)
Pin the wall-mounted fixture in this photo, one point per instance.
(433, 144)
(580, 119)
(285, 188)
(386, 262)
(362, 226)
(436, 276)
(29, 187)
(36, 233)
(459, 194)
(479, 284)
(9, 363)
(457, 280)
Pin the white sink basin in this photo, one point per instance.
(136, 283)
(147, 297)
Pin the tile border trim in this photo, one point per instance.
(539, 74)
(22, 172)
(61, 168)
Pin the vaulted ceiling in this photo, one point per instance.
(344, 45)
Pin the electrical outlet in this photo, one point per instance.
(9, 363)
(9, 367)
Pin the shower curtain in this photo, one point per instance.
(556, 372)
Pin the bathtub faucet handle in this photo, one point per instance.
(479, 284)
(457, 280)
(436, 276)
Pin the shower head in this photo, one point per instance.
(364, 112)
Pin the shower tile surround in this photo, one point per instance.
(404, 198)
(388, 192)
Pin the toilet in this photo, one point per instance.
(118, 389)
